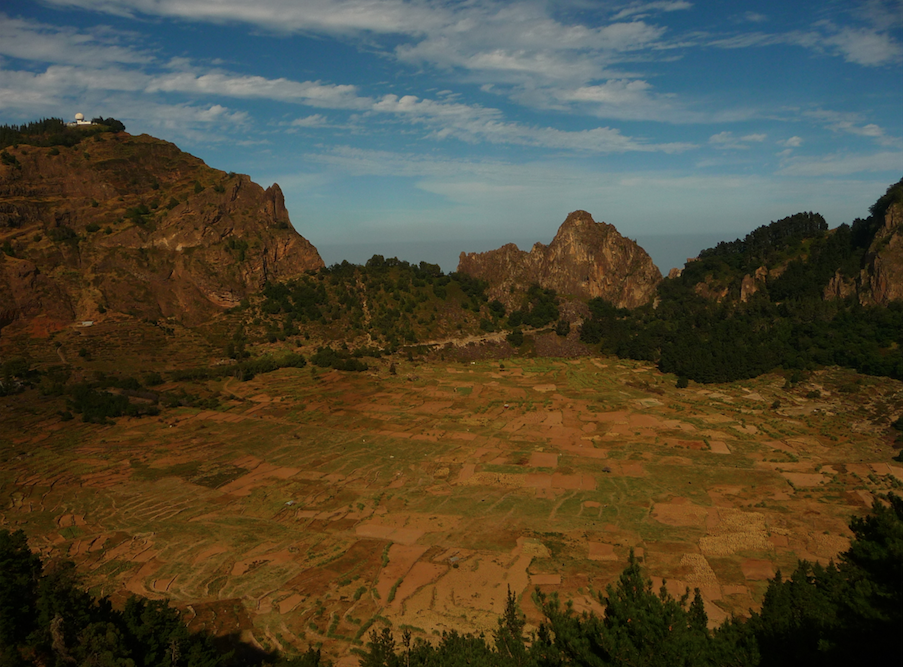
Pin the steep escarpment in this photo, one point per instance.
(586, 259)
(131, 224)
(881, 279)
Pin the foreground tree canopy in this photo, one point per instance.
(846, 613)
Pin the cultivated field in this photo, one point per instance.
(315, 505)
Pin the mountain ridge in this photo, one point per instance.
(131, 224)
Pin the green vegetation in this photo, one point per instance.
(539, 309)
(326, 357)
(138, 214)
(244, 370)
(787, 323)
(99, 407)
(111, 123)
(237, 246)
(394, 301)
(14, 373)
(108, 397)
(54, 132)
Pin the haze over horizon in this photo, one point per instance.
(431, 125)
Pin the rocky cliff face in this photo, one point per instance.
(133, 225)
(881, 281)
(586, 259)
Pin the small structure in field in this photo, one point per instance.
(79, 121)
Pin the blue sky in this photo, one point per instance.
(435, 127)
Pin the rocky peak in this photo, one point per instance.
(586, 259)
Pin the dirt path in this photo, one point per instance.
(466, 340)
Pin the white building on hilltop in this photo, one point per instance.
(79, 121)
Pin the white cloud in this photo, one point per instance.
(852, 123)
(792, 142)
(331, 16)
(517, 46)
(311, 93)
(202, 124)
(726, 140)
(843, 164)
(866, 47)
(46, 91)
(442, 119)
(316, 120)
(611, 92)
(648, 7)
(474, 124)
(29, 40)
(881, 14)
(218, 114)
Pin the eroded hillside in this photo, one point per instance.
(125, 224)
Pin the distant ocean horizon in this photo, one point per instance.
(666, 250)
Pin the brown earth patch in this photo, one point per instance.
(628, 469)
(587, 450)
(756, 569)
(679, 514)
(827, 546)
(718, 447)
(803, 478)
(644, 421)
(619, 416)
(420, 575)
(737, 531)
(576, 482)
(288, 604)
(543, 460)
(401, 559)
(380, 532)
(601, 551)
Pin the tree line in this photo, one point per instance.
(55, 132)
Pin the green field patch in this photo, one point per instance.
(728, 571)
(71, 532)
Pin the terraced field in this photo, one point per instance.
(313, 506)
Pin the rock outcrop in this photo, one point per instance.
(133, 225)
(752, 283)
(586, 259)
(881, 281)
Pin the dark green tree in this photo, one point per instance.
(21, 572)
